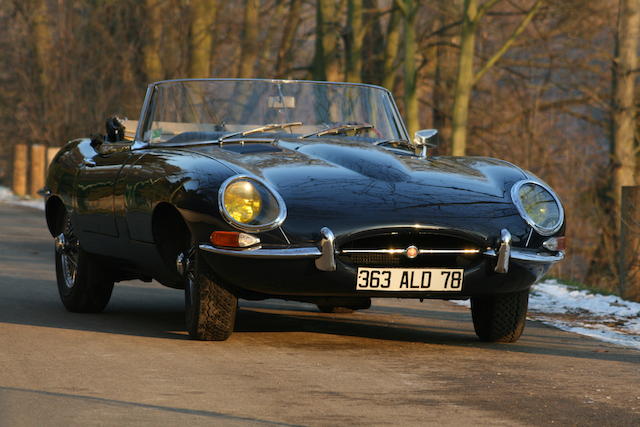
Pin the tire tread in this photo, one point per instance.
(501, 317)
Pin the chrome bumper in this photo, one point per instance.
(529, 255)
(325, 255)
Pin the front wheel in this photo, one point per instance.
(83, 285)
(500, 317)
(210, 309)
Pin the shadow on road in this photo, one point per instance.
(159, 313)
(27, 394)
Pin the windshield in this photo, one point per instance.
(206, 110)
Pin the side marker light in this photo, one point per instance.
(233, 239)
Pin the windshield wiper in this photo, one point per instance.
(400, 142)
(270, 126)
(338, 129)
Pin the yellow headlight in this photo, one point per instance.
(242, 201)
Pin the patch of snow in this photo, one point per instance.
(7, 196)
(604, 317)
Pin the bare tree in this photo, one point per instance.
(624, 147)
(151, 51)
(409, 9)
(203, 17)
(473, 14)
(391, 49)
(354, 37)
(249, 43)
(285, 50)
(625, 63)
(326, 64)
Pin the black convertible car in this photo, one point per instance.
(301, 190)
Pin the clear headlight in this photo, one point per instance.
(538, 205)
(250, 204)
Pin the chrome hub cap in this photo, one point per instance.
(181, 263)
(60, 243)
(186, 262)
(67, 247)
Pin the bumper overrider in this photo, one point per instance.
(502, 258)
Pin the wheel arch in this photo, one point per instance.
(171, 233)
(54, 214)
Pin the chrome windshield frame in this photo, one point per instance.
(151, 91)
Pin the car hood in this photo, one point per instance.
(354, 186)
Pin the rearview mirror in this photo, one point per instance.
(279, 102)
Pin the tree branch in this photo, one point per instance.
(482, 10)
(510, 41)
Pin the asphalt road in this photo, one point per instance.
(399, 363)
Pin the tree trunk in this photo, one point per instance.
(325, 63)
(249, 48)
(284, 58)
(442, 82)
(409, 9)
(629, 280)
(355, 37)
(624, 111)
(151, 50)
(203, 13)
(464, 83)
(373, 39)
(42, 44)
(391, 49)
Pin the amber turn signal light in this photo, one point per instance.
(233, 239)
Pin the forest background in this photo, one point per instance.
(547, 85)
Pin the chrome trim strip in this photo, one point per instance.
(529, 255)
(313, 252)
(327, 261)
(232, 79)
(402, 251)
(265, 253)
(143, 111)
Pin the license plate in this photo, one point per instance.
(410, 279)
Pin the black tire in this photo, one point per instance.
(83, 284)
(210, 309)
(501, 317)
(325, 308)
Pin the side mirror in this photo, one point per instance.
(425, 138)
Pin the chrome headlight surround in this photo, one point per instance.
(272, 222)
(517, 201)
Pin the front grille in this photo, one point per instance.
(373, 259)
(399, 241)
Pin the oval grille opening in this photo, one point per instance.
(388, 250)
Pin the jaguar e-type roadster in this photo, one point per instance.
(299, 190)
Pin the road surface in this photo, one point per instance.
(399, 363)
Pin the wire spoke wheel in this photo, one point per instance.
(84, 284)
(68, 246)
